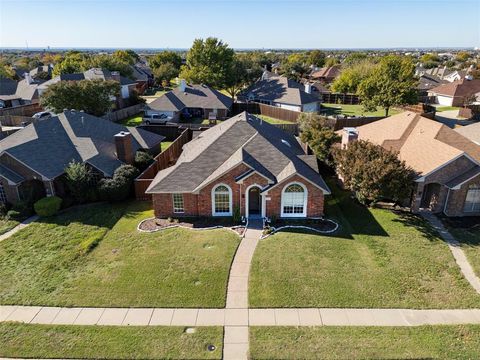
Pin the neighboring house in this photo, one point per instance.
(447, 164)
(326, 74)
(242, 165)
(38, 154)
(441, 72)
(143, 77)
(126, 90)
(282, 92)
(455, 93)
(427, 82)
(16, 93)
(199, 101)
(471, 132)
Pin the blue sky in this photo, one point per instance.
(240, 23)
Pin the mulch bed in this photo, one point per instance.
(318, 224)
(193, 223)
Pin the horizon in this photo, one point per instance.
(244, 25)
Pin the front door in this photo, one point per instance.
(254, 204)
(431, 195)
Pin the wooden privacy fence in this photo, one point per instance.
(14, 120)
(22, 110)
(267, 110)
(162, 161)
(124, 113)
(340, 123)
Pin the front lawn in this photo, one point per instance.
(165, 145)
(356, 342)
(377, 259)
(51, 264)
(467, 231)
(108, 342)
(353, 110)
(446, 108)
(7, 225)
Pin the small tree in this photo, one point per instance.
(165, 72)
(318, 133)
(92, 96)
(78, 178)
(373, 173)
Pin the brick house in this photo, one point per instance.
(447, 163)
(455, 93)
(243, 164)
(199, 101)
(37, 155)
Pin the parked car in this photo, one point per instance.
(43, 115)
(159, 119)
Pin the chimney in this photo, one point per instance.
(28, 77)
(123, 144)
(183, 85)
(115, 76)
(349, 134)
(308, 88)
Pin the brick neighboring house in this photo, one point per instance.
(447, 163)
(37, 155)
(243, 163)
(191, 100)
(326, 74)
(456, 92)
(282, 92)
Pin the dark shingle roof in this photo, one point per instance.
(281, 90)
(243, 139)
(194, 96)
(48, 146)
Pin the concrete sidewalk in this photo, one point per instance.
(237, 317)
(456, 250)
(19, 227)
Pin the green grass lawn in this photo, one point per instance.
(446, 108)
(273, 120)
(353, 110)
(165, 145)
(7, 225)
(47, 264)
(468, 234)
(377, 259)
(133, 120)
(424, 342)
(108, 342)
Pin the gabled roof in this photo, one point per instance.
(427, 82)
(91, 74)
(424, 144)
(279, 89)
(11, 89)
(194, 96)
(326, 72)
(471, 132)
(458, 88)
(49, 145)
(242, 139)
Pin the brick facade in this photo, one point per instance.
(455, 199)
(201, 204)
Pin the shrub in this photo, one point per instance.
(78, 177)
(142, 160)
(23, 208)
(3, 210)
(127, 171)
(14, 215)
(119, 187)
(48, 206)
(237, 216)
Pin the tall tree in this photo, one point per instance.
(352, 76)
(318, 133)
(208, 62)
(165, 57)
(165, 72)
(92, 96)
(391, 83)
(126, 56)
(295, 66)
(316, 58)
(109, 62)
(73, 62)
(373, 173)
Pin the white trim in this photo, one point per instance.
(459, 186)
(230, 200)
(325, 192)
(305, 201)
(247, 196)
(252, 173)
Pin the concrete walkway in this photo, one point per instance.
(235, 344)
(19, 227)
(236, 319)
(456, 250)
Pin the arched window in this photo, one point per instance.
(472, 201)
(222, 200)
(294, 201)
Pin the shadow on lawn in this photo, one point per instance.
(417, 222)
